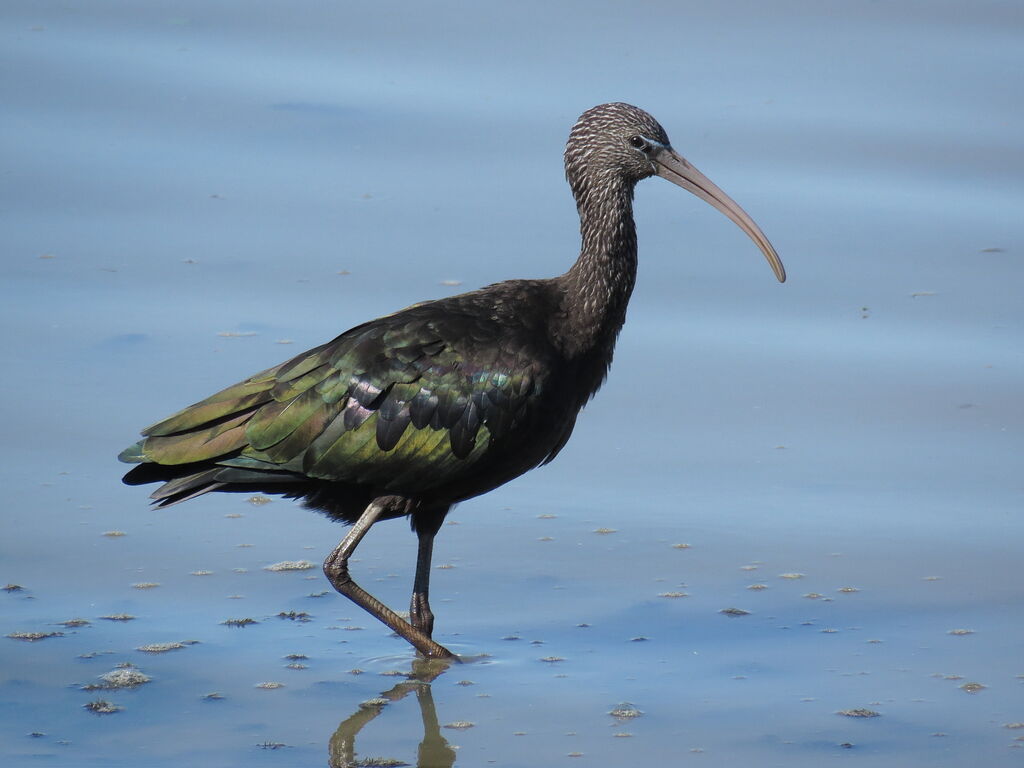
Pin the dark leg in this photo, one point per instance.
(336, 570)
(419, 608)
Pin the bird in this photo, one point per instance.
(408, 414)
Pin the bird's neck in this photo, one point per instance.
(598, 286)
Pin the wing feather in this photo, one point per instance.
(409, 401)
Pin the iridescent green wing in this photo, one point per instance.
(407, 401)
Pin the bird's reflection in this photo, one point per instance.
(434, 751)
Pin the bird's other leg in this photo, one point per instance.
(426, 526)
(336, 570)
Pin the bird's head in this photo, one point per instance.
(616, 145)
(611, 140)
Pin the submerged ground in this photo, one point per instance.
(788, 530)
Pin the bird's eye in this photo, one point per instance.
(638, 142)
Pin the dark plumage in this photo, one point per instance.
(412, 412)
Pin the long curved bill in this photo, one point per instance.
(670, 165)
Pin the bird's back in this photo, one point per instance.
(436, 403)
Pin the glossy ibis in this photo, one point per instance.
(410, 413)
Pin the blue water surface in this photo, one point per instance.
(194, 191)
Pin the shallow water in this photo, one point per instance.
(193, 193)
